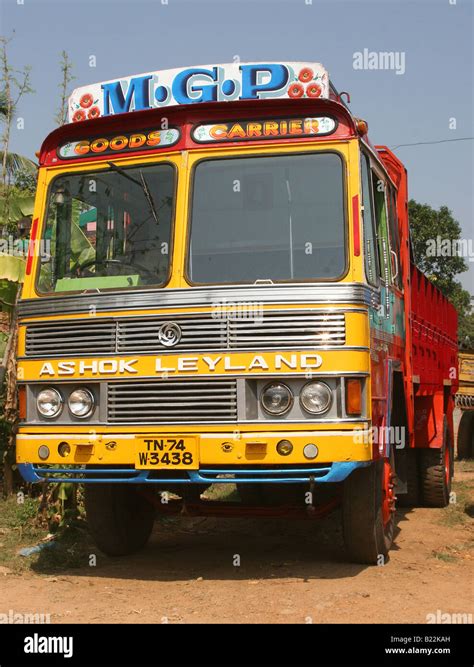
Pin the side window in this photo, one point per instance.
(380, 206)
(394, 238)
(370, 236)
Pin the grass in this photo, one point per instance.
(458, 513)
(22, 525)
(466, 465)
(444, 556)
(18, 529)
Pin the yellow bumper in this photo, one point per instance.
(214, 448)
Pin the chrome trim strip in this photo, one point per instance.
(165, 352)
(146, 316)
(196, 376)
(137, 425)
(198, 296)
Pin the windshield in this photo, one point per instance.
(268, 218)
(109, 229)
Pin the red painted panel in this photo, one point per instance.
(31, 246)
(356, 223)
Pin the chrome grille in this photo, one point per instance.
(278, 329)
(172, 401)
(199, 332)
(70, 338)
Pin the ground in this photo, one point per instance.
(289, 571)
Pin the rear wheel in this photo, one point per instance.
(368, 512)
(436, 468)
(466, 436)
(120, 519)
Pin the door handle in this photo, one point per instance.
(394, 254)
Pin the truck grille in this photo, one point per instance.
(270, 329)
(170, 401)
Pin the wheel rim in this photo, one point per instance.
(447, 465)
(388, 494)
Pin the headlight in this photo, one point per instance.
(316, 397)
(276, 398)
(81, 402)
(49, 402)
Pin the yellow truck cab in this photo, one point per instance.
(203, 286)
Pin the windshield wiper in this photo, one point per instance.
(142, 183)
(149, 197)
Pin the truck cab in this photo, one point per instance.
(218, 291)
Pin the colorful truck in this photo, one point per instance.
(220, 290)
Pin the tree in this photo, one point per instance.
(13, 84)
(438, 249)
(26, 181)
(14, 162)
(466, 331)
(67, 77)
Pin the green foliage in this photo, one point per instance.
(15, 204)
(426, 224)
(25, 525)
(26, 180)
(466, 331)
(17, 164)
(19, 514)
(8, 290)
(12, 269)
(3, 104)
(67, 77)
(429, 228)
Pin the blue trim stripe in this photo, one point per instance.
(336, 472)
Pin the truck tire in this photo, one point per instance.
(368, 512)
(466, 436)
(120, 519)
(412, 497)
(436, 470)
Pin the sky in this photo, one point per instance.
(434, 40)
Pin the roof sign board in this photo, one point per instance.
(122, 143)
(191, 85)
(269, 128)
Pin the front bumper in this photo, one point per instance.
(251, 457)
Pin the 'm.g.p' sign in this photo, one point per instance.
(191, 85)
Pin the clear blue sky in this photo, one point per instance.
(134, 36)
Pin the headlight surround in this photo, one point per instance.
(49, 403)
(276, 398)
(316, 397)
(81, 402)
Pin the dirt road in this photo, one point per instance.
(289, 572)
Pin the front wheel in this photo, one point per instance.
(120, 518)
(368, 512)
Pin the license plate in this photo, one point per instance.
(167, 453)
